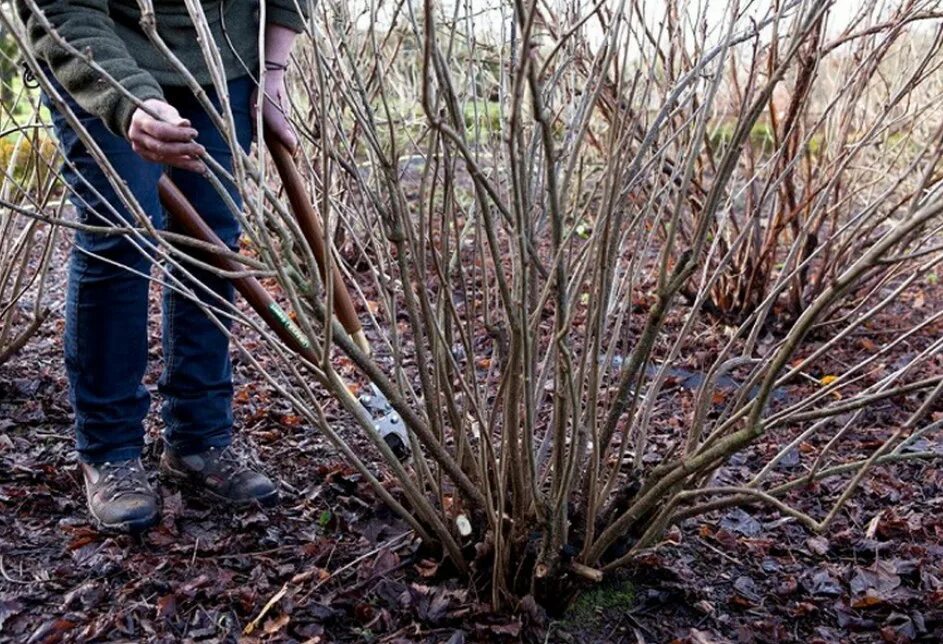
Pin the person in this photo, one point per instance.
(106, 337)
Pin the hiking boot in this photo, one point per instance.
(120, 497)
(221, 475)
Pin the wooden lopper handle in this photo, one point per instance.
(186, 216)
(311, 228)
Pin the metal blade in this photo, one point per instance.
(387, 422)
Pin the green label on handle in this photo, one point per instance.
(290, 326)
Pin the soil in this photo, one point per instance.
(332, 564)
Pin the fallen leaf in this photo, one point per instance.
(817, 545)
(873, 525)
(740, 522)
(52, 631)
(879, 580)
(823, 582)
(9, 608)
(696, 636)
(291, 420)
(276, 624)
(870, 598)
(167, 606)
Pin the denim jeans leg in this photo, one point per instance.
(197, 380)
(106, 302)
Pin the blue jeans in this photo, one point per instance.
(106, 339)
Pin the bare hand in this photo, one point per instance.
(169, 140)
(273, 109)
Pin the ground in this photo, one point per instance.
(331, 564)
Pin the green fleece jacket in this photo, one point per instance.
(110, 31)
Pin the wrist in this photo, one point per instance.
(278, 44)
(274, 78)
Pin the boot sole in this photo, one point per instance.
(134, 528)
(183, 481)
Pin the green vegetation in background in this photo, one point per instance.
(482, 121)
(18, 101)
(761, 135)
(815, 145)
(486, 113)
(21, 102)
(613, 595)
(19, 157)
(18, 140)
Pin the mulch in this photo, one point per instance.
(332, 564)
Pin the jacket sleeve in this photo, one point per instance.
(286, 14)
(87, 26)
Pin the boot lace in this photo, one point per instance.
(229, 462)
(123, 478)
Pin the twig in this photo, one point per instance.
(251, 626)
(10, 579)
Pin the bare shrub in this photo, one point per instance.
(840, 135)
(27, 185)
(542, 216)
